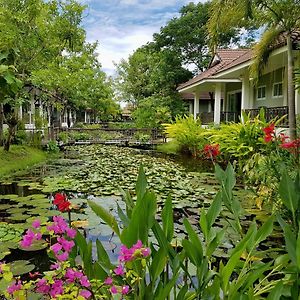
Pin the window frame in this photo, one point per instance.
(273, 90)
(260, 87)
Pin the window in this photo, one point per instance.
(277, 89)
(261, 92)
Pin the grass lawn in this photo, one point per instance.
(19, 158)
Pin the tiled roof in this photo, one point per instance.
(228, 58)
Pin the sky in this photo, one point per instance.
(121, 26)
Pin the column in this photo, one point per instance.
(196, 104)
(297, 91)
(217, 111)
(85, 117)
(245, 94)
(20, 112)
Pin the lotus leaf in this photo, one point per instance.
(19, 267)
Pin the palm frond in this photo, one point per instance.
(262, 51)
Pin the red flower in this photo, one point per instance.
(211, 151)
(60, 200)
(269, 132)
(291, 145)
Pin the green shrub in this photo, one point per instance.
(52, 147)
(63, 136)
(79, 136)
(187, 132)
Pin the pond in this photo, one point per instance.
(99, 173)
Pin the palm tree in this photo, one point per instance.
(277, 18)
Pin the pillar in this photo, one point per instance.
(245, 93)
(196, 104)
(217, 111)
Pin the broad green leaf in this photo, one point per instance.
(214, 210)
(167, 219)
(288, 193)
(158, 264)
(99, 272)
(107, 217)
(194, 238)
(264, 231)
(143, 216)
(276, 292)
(192, 252)
(102, 256)
(165, 292)
(235, 257)
(141, 184)
(290, 239)
(122, 216)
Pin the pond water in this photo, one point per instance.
(98, 173)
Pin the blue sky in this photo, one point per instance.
(121, 26)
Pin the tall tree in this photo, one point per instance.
(278, 18)
(188, 37)
(152, 76)
(38, 32)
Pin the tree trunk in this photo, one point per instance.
(1, 123)
(12, 123)
(291, 90)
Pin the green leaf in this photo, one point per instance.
(276, 291)
(193, 237)
(107, 217)
(235, 257)
(167, 219)
(141, 184)
(290, 240)
(102, 256)
(158, 264)
(122, 216)
(165, 292)
(142, 219)
(264, 231)
(99, 272)
(214, 210)
(288, 193)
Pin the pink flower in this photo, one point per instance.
(16, 286)
(42, 286)
(108, 281)
(56, 288)
(71, 275)
(71, 233)
(138, 245)
(114, 290)
(28, 239)
(84, 281)
(38, 236)
(55, 266)
(119, 270)
(146, 252)
(125, 254)
(85, 294)
(125, 289)
(63, 256)
(56, 247)
(36, 224)
(67, 245)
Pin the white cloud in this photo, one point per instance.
(121, 26)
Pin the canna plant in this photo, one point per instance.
(167, 273)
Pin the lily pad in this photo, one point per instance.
(20, 267)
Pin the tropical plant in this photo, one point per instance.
(278, 18)
(188, 132)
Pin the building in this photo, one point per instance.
(234, 91)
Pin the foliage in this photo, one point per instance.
(150, 73)
(279, 19)
(52, 147)
(187, 132)
(188, 37)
